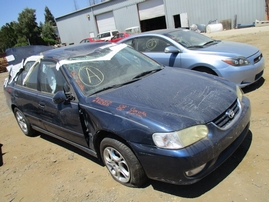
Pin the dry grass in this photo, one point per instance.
(3, 64)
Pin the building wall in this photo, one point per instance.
(75, 26)
(201, 12)
(126, 17)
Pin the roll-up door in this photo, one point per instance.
(151, 9)
(105, 22)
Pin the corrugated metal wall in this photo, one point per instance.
(126, 16)
(76, 26)
(201, 12)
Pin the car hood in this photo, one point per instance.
(171, 99)
(227, 48)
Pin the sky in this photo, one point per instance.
(10, 9)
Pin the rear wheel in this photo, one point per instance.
(122, 163)
(23, 123)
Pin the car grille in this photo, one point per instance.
(230, 115)
(257, 59)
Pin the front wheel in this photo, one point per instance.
(23, 123)
(122, 163)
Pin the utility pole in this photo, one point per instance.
(75, 4)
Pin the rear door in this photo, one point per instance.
(25, 95)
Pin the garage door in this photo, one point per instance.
(105, 22)
(151, 9)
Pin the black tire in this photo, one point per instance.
(122, 164)
(23, 123)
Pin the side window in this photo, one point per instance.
(51, 80)
(152, 44)
(30, 77)
(131, 43)
(114, 33)
(22, 74)
(28, 65)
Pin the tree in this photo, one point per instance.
(48, 28)
(8, 36)
(49, 17)
(48, 34)
(26, 29)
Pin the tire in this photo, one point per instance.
(122, 163)
(23, 123)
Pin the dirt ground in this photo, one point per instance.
(44, 169)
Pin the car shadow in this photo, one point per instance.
(186, 191)
(71, 148)
(212, 180)
(254, 86)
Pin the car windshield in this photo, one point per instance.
(190, 39)
(109, 67)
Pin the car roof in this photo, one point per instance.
(73, 50)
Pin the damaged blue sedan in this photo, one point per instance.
(141, 119)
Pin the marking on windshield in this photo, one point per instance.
(76, 78)
(151, 44)
(91, 76)
(102, 101)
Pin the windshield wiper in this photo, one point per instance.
(145, 73)
(210, 42)
(113, 86)
(195, 46)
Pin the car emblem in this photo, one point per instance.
(230, 113)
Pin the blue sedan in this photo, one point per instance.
(240, 63)
(141, 119)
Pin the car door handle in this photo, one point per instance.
(41, 105)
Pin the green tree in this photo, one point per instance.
(49, 17)
(8, 37)
(48, 34)
(27, 29)
(48, 28)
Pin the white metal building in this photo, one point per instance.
(156, 14)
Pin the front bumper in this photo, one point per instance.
(171, 165)
(245, 75)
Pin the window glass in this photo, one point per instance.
(151, 44)
(110, 67)
(51, 80)
(28, 65)
(30, 77)
(188, 38)
(131, 43)
(114, 33)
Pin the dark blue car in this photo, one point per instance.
(141, 119)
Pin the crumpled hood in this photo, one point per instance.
(231, 49)
(171, 99)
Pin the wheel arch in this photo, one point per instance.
(206, 69)
(106, 134)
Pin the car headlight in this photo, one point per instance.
(238, 61)
(239, 93)
(180, 139)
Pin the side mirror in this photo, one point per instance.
(171, 49)
(59, 97)
(62, 96)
